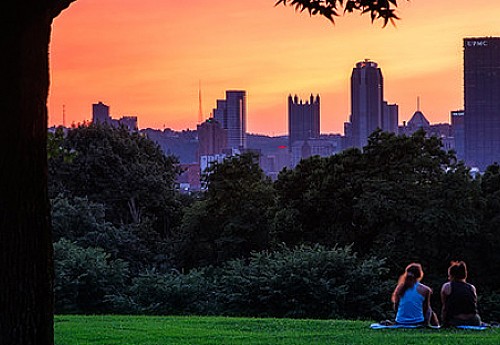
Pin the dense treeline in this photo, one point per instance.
(326, 239)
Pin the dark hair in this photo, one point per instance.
(457, 270)
(413, 273)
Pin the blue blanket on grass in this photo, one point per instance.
(396, 326)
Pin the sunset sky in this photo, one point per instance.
(147, 58)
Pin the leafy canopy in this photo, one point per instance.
(378, 9)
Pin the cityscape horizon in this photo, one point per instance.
(155, 69)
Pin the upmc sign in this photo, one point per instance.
(476, 43)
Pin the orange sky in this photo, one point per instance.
(146, 58)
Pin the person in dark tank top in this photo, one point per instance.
(459, 298)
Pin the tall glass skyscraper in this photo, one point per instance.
(236, 102)
(482, 101)
(367, 97)
(231, 113)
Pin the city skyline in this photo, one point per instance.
(147, 59)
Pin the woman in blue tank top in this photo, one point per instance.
(412, 299)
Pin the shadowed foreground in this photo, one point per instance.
(142, 330)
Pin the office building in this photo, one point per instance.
(457, 128)
(390, 117)
(231, 113)
(367, 96)
(212, 138)
(482, 101)
(303, 119)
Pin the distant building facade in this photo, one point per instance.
(129, 122)
(322, 147)
(416, 122)
(189, 179)
(482, 101)
(458, 132)
(390, 117)
(100, 114)
(212, 138)
(303, 119)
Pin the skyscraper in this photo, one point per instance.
(367, 97)
(303, 119)
(457, 127)
(231, 113)
(236, 119)
(482, 101)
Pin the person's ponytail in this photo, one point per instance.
(413, 274)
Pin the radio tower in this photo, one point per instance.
(200, 111)
(64, 115)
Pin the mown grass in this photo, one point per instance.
(149, 330)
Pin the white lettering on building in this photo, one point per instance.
(477, 43)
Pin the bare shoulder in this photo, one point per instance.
(446, 288)
(424, 289)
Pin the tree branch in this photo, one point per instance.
(57, 6)
(378, 9)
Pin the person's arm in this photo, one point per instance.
(395, 299)
(427, 301)
(475, 295)
(445, 292)
(474, 291)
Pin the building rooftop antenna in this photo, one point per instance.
(200, 110)
(64, 115)
(418, 103)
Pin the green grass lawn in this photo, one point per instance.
(149, 330)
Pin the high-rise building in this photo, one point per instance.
(236, 119)
(303, 119)
(100, 113)
(367, 96)
(482, 101)
(232, 114)
(457, 128)
(390, 118)
(219, 113)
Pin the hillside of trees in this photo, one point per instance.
(328, 238)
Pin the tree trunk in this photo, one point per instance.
(26, 263)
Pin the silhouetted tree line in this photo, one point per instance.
(326, 239)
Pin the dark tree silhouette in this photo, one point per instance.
(26, 268)
(378, 9)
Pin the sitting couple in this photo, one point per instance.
(412, 299)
